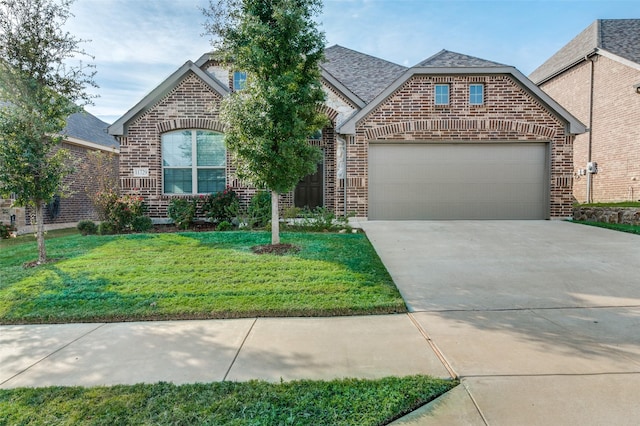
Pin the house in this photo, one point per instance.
(596, 77)
(454, 137)
(83, 134)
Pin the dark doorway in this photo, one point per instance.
(309, 192)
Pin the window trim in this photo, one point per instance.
(471, 95)
(436, 95)
(194, 162)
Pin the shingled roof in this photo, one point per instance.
(620, 37)
(448, 59)
(89, 128)
(366, 76)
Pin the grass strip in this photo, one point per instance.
(338, 402)
(616, 204)
(193, 276)
(623, 227)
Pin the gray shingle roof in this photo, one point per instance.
(621, 37)
(87, 127)
(618, 36)
(447, 59)
(365, 75)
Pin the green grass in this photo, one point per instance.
(632, 229)
(617, 204)
(193, 275)
(338, 402)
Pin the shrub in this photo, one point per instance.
(141, 224)
(106, 228)
(5, 231)
(220, 206)
(182, 211)
(259, 211)
(320, 219)
(120, 211)
(87, 227)
(224, 226)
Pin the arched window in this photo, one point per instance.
(193, 162)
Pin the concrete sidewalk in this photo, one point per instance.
(215, 350)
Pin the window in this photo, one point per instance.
(239, 80)
(317, 135)
(476, 94)
(193, 162)
(442, 94)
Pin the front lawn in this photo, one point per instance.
(193, 276)
(338, 402)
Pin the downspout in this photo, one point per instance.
(346, 155)
(592, 59)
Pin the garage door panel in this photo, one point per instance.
(458, 181)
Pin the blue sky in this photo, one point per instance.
(138, 43)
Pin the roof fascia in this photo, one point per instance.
(569, 66)
(92, 145)
(620, 59)
(342, 89)
(575, 126)
(120, 126)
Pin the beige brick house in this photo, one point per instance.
(596, 77)
(84, 133)
(454, 137)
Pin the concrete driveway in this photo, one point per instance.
(540, 319)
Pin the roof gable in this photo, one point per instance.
(120, 126)
(448, 59)
(364, 75)
(466, 67)
(618, 37)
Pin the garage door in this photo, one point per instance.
(458, 181)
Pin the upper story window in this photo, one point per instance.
(239, 80)
(476, 94)
(193, 162)
(442, 94)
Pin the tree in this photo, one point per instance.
(278, 45)
(39, 89)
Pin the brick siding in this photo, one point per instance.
(615, 132)
(191, 105)
(75, 205)
(509, 113)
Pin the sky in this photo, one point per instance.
(136, 44)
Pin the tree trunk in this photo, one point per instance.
(42, 251)
(275, 219)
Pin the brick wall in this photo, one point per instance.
(75, 205)
(615, 133)
(509, 113)
(191, 105)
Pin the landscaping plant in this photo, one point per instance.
(42, 82)
(182, 211)
(278, 44)
(87, 227)
(221, 206)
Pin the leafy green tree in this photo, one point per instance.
(278, 45)
(39, 89)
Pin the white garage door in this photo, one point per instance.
(458, 181)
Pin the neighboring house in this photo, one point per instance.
(596, 77)
(84, 133)
(454, 137)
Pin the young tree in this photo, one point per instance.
(278, 45)
(39, 89)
